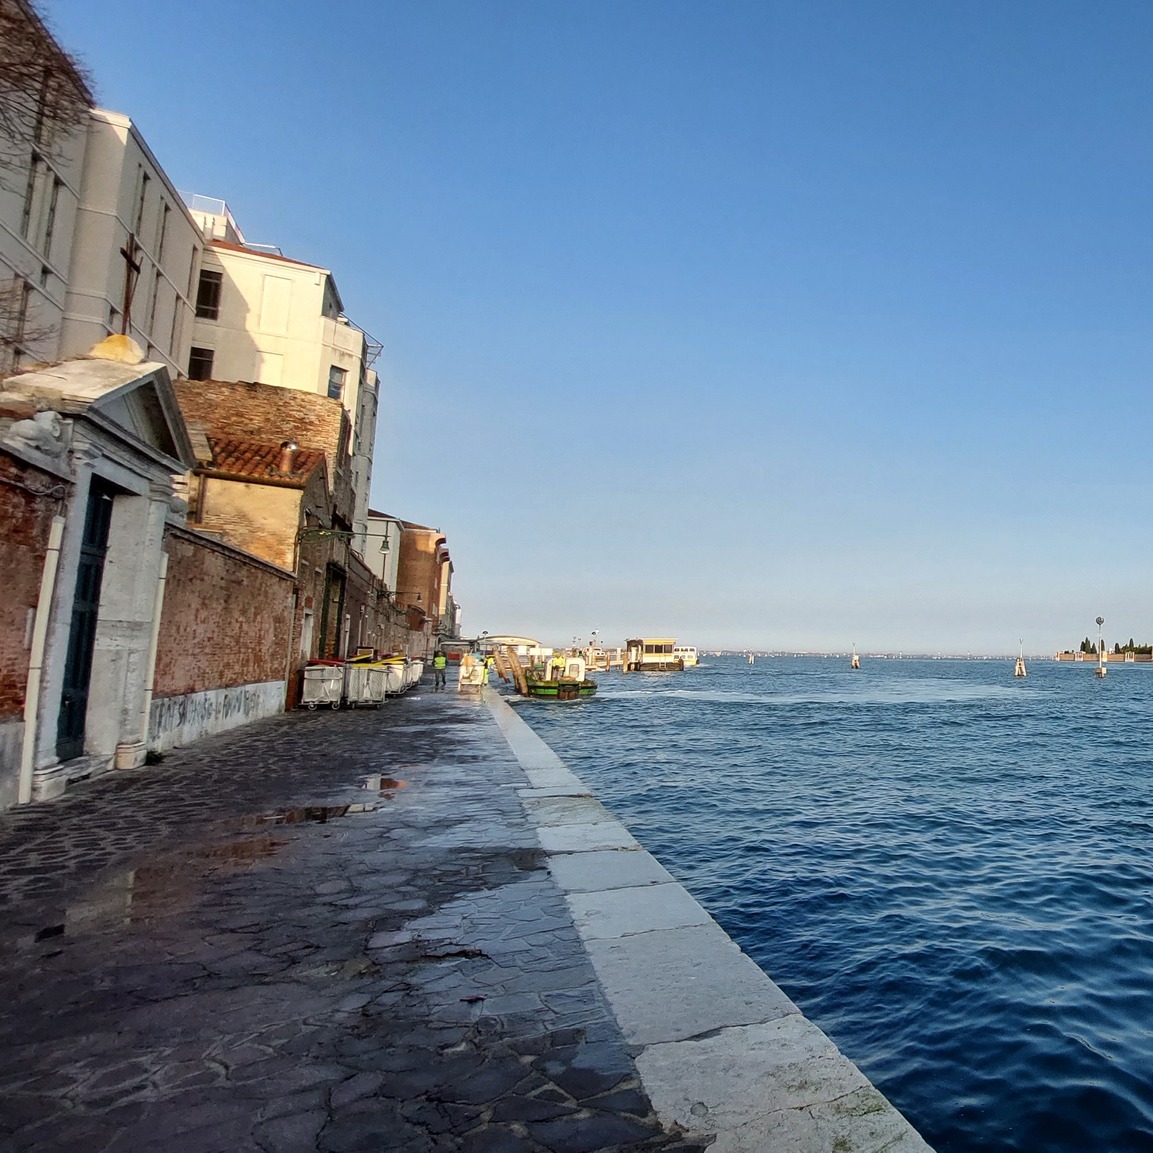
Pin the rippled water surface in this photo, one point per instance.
(950, 871)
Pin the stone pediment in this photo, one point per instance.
(134, 401)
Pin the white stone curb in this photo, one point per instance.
(723, 1053)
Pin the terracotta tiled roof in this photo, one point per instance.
(253, 460)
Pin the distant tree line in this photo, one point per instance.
(1090, 648)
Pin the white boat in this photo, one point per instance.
(687, 655)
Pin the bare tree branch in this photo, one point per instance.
(21, 331)
(44, 92)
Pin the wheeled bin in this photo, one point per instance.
(367, 684)
(323, 685)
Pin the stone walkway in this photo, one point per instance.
(327, 931)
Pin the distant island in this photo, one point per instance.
(1130, 653)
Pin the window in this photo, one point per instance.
(34, 170)
(336, 378)
(152, 300)
(163, 233)
(200, 364)
(23, 306)
(141, 197)
(50, 223)
(208, 294)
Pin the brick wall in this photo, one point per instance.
(25, 519)
(227, 617)
(419, 571)
(271, 415)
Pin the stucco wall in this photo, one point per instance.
(180, 720)
(11, 741)
(259, 518)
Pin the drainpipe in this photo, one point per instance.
(36, 658)
(153, 647)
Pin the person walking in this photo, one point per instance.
(439, 664)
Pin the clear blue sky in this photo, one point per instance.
(789, 324)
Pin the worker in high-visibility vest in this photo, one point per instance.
(439, 664)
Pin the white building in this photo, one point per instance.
(265, 318)
(41, 160)
(91, 229)
(135, 253)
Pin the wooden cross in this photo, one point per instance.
(131, 274)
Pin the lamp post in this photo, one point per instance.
(1101, 670)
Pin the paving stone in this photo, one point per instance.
(608, 869)
(291, 1133)
(678, 983)
(498, 1139)
(207, 981)
(590, 1134)
(358, 1086)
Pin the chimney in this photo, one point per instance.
(288, 450)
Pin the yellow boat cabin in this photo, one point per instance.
(652, 655)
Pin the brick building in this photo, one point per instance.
(273, 477)
(424, 584)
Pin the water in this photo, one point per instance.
(949, 870)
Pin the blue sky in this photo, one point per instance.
(754, 323)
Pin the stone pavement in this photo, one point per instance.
(385, 929)
(325, 931)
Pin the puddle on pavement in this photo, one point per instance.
(240, 852)
(318, 814)
(141, 895)
(385, 786)
(174, 885)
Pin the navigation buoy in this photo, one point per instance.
(1019, 668)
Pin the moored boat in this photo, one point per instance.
(652, 655)
(561, 679)
(558, 689)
